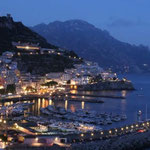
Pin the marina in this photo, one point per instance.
(72, 120)
(75, 121)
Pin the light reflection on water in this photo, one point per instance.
(135, 101)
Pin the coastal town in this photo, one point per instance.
(80, 76)
(46, 94)
(21, 90)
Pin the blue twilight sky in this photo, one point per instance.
(126, 20)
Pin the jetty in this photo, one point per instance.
(103, 96)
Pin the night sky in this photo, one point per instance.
(127, 20)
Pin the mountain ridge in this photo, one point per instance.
(96, 45)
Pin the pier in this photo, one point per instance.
(102, 96)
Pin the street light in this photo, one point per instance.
(82, 135)
(16, 125)
(92, 134)
(36, 139)
(56, 139)
(102, 133)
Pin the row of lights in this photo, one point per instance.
(3, 121)
(116, 130)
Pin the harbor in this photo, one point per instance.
(65, 122)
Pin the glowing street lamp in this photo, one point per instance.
(36, 139)
(92, 134)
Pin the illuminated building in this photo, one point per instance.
(26, 46)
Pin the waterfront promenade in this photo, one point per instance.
(105, 134)
(139, 127)
(120, 138)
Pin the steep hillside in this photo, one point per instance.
(96, 45)
(34, 63)
(16, 31)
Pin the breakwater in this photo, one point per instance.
(107, 85)
(103, 96)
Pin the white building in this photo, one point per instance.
(83, 80)
(107, 75)
(88, 68)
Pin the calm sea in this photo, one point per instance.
(135, 101)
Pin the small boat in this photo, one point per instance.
(116, 119)
(109, 122)
(139, 113)
(123, 117)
